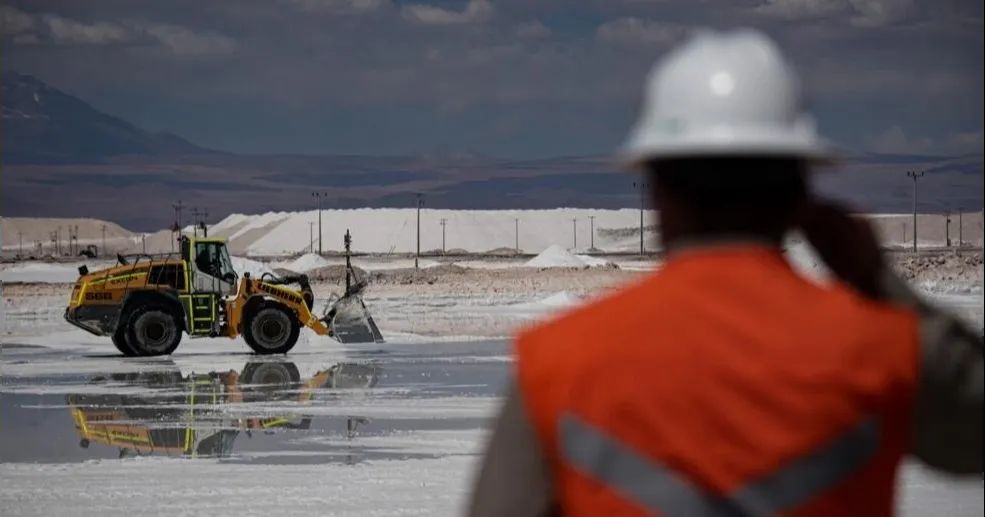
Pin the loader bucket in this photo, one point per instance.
(351, 322)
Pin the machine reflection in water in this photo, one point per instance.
(201, 415)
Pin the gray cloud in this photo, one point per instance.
(70, 32)
(344, 7)
(518, 79)
(894, 140)
(54, 29)
(476, 11)
(14, 22)
(181, 41)
(633, 32)
(868, 13)
(532, 30)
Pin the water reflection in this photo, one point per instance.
(165, 412)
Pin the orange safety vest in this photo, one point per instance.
(724, 384)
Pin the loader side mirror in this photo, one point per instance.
(229, 277)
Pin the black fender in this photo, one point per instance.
(166, 297)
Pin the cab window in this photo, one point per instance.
(212, 258)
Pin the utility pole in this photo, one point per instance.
(178, 207)
(20, 244)
(960, 229)
(947, 228)
(516, 234)
(58, 241)
(641, 186)
(199, 222)
(103, 250)
(914, 175)
(76, 252)
(574, 233)
(591, 221)
(444, 222)
(417, 255)
(318, 197)
(176, 229)
(143, 243)
(311, 236)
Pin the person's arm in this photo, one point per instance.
(514, 479)
(948, 412)
(948, 417)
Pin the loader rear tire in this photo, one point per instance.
(120, 341)
(272, 329)
(153, 330)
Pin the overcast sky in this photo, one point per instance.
(510, 78)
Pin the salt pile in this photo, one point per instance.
(556, 256)
(253, 267)
(307, 262)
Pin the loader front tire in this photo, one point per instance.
(120, 341)
(153, 330)
(272, 329)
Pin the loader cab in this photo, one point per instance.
(209, 265)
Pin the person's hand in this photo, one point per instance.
(846, 244)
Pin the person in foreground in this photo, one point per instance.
(725, 383)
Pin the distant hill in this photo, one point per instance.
(42, 124)
(63, 158)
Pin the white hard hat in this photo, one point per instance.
(723, 94)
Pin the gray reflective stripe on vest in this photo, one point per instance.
(660, 489)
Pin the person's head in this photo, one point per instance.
(724, 139)
(726, 196)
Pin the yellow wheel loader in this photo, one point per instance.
(145, 302)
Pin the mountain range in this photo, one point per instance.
(63, 158)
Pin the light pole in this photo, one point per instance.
(574, 233)
(641, 186)
(591, 236)
(311, 236)
(318, 197)
(20, 244)
(444, 222)
(103, 229)
(417, 255)
(914, 175)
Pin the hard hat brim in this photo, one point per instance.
(644, 147)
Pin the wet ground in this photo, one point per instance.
(302, 408)
(379, 430)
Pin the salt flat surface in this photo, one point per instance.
(392, 429)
